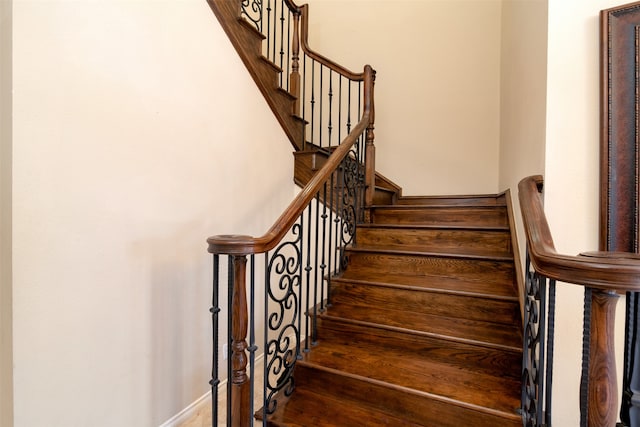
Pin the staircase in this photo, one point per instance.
(424, 325)
(421, 322)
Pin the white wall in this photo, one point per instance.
(6, 348)
(137, 133)
(437, 88)
(571, 174)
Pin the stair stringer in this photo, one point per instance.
(248, 43)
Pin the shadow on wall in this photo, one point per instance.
(179, 351)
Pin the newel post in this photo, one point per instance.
(240, 385)
(602, 389)
(370, 149)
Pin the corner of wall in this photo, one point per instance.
(6, 297)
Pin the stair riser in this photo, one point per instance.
(467, 269)
(452, 201)
(471, 216)
(487, 360)
(417, 408)
(441, 240)
(458, 306)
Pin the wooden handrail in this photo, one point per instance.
(304, 38)
(603, 274)
(245, 245)
(607, 271)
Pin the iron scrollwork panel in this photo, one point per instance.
(252, 12)
(283, 312)
(533, 363)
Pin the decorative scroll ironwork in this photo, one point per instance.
(252, 11)
(534, 356)
(282, 312)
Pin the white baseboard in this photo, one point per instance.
(189, 412)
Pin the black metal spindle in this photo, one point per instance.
(231, 278)
(215, 311)
(268, 35)
(329, 247)
(289, 48)
(275, 31)
(330, 125)
(265, 372)
(323, 265)
(340, 109)
(315, 273)
(304, 96)
(586, 359)
(282, 6)
(300, 277)
(321, 109)
(551, 322)
(313, 98)
(252, 331)
(308, 281)
(349, 108)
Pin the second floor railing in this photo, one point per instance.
(603, 275)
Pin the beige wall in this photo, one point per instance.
(136, 129)
(522, 96)
(6, 348)
(437, 90)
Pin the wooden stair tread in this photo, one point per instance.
(308, 408)
(474, 332)
(435, 284)
(409, 370)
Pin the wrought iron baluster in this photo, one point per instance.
(275, 31)
(323, 265)
(289, 13)
(551, 322)
(315, 273)
(308, 279)
(313, 98)
(215, 311)
(349, 109)
(282, 7)
(304, 95)
(252, 331)
(321, 102)
(340, 109)
(230, 274)
(330, 126)
(268, 28)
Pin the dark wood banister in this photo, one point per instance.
(608, 271)
(606, 274)
(304, 9)
(245, 245)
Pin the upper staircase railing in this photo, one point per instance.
(273, 300)
(603, 275)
